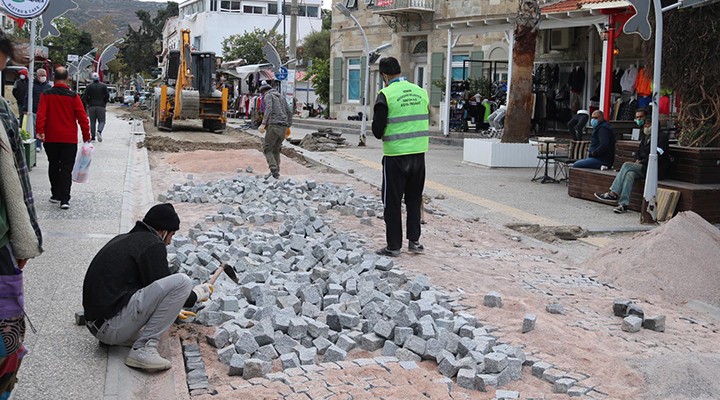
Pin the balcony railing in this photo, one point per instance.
(404, 5)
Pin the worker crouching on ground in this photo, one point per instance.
(129, 294)
(401, 122)
(278, 117)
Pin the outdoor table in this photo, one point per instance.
(546, 142)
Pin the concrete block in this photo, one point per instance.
(493, 300)
(371, 342)
(632, 324)
(620, 307)
(256, 368)
(656, 323)
(563, 385)
(495, 362)
(467, 378)
(528, 323)
(334, 353)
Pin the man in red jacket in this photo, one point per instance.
(59, 113)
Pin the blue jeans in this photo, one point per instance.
(589, 163)
(623, 183)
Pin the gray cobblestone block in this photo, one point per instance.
(504, 377)
(351, 286)
(281, 320)
(402, 296)
(246, 344)
(298, 328)
(484, 344)
(528, 323)
(495, 362)
(656, 323)
(389, 348)
(448, 367)
(266, 352)
(451, 342)
(620, 307)
(401, 334)
(316, 329)
(486, 382)
(284, 344)
(333, 322)
(635, 310)
(237, 363)
(385, 329)
(334, 354)
(252, 291)
(371, 342)
(632, 324)
(219, 339)
(447, 324)
(563, 385)
(421, 308)
(321, 344)
(335, 290)
(467, 378)
(465, 345)
(256, 368)
(345, 342)
(514, 368)
(263, 332)
(416, 345)
(290, 360)
(577, 391)
(426, 330)
(226, 353)
(407, 355)
(466, 331)
(384, 264)
(330, 300)
(310, 310)
(539, 368)
(349, 320)
(392, 309)
(289, 302)
(307, 356)
(553, 374)
(555, 308)
(405, 318)
(506, 395)
(311, 295)
(493, 300)
(433, 347)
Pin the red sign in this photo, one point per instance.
(384, 3)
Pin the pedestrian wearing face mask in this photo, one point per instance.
(601, 152)
(41, 84)
(621, 187)
(20, 92)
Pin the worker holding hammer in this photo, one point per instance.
(129, 294)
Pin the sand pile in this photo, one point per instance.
(679, 261)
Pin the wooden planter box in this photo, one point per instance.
(30, 153)
(700, 165)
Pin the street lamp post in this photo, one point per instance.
(363, 127)
(85, 56)
(97, 68)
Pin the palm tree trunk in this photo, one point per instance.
(519, 108)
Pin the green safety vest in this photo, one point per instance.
(407, 130)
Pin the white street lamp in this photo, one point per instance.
(102, 55)
(363, 127)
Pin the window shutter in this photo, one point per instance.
(363, 69)
(437, 64)
(476, 68)
(337, 80)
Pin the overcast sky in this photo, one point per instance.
(326, 3)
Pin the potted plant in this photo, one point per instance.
(29, 144)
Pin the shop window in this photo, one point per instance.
(253, 10)
(353, 81)
(230, 6)
(457, 67)
(313, 11)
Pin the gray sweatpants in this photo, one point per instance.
(151, 309)
(272, 145)
(96, 113)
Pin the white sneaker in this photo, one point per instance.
(99, 136)
(147, 358)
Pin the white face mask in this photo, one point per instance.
(42, 79)
(22, 77)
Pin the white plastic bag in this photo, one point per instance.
(82, 163)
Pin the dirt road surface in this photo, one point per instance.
(474, 258)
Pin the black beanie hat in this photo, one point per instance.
(162, 217)
(389, 66)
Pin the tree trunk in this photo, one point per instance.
(520, 104)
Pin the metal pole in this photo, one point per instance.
(293, 27)
(363, 125)
(31, 78)
(448, 80)
(589, 75)
(649, 215)
(511, 47)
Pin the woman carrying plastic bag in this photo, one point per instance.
(81, 169)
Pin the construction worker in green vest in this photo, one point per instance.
(401, 121)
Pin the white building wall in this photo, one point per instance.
(209, 28)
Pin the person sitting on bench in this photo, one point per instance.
(602, 144)
(622, 185)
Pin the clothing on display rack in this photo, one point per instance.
(617, 75)
(627, 82)
(577, 79)
(643, 86)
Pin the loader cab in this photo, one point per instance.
(202, 69)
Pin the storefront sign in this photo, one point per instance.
(26, 9)
(384, 3)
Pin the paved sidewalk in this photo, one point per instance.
(64, 360)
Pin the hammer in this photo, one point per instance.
(229, 271)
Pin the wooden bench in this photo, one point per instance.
(703, 199)
(690, 164)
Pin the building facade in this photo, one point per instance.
(211, 21)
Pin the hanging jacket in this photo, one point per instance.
(643, 84)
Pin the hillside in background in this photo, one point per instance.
(121, 11)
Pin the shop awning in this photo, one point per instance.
(264, 69)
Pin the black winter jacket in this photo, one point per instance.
(96, 95)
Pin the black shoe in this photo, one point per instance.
(276, 175)
(607, 197)
(387, 252)
(65, 206)
(415, 247)
(621, 209)
(54, 200)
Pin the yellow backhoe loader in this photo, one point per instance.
(188, 90)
